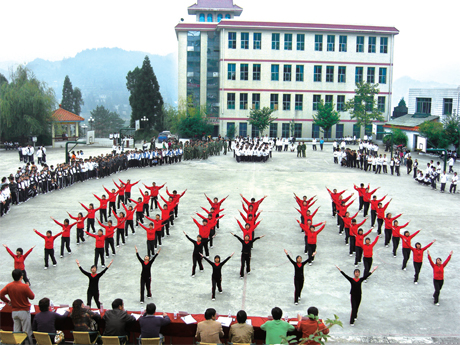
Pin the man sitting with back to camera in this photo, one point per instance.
(117, 320)
(150, 324)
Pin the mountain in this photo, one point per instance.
(101, 76)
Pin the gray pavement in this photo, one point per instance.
(393, 309)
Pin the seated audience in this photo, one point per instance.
(209, 331)
(84, 320)
(150, 324)
(311, 326)
(45, 320)
(117, 319)
(241, 332)
(276, 328)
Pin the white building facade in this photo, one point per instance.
(437, 102)
(232, 66)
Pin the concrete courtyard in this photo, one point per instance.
(393, 309)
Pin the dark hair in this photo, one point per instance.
(117, 302)
(209, 313)
(312, 311)
(17, 275)
(151, 308)
(241, 316)
(44, 304)
(20, 250)
(356, 270)
(217, 256)
(94, 266)
(277, 313)
(76, 310)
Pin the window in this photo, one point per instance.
(447, 106)
(371, 44)
(319, 43)
(339, 130)
(256, 101)
(202, 20)
(316, 100)
(342, 43)
(298, 102)
(423, 105)
(369, 103)
(360, 44)
(274, 101)
(275, 72)
(243, 101)
(231, 74)
(230, 128)
(254, 131)
(340, 103)
(317, 73)
(275, 41)
(300, 41)
(330, 43)
(382, 75)
(273, 130)
(383, 45)
(244, 71)
(315, 131)
(232, 40)
(245, 40)
(368, 130)
(299, 73)
(285, 129)
(356, 131)
(297, 130)
(257, 40)
(230, 101)
(227, 16)
(371, 75)
(256, 72)
(243, 129)
(379, 132)
(329, 74)
(359, 75)
(329, 99)
(209, 18)
(219, 17)
(381, 103)
(342, 74)
(287, 41)
(287, 72)
(287, 102)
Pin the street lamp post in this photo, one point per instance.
(84, 127)
(90, 121)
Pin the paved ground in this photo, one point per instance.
(393, 309)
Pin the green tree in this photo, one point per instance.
(452, 129)
(77, 101)
(261, 118)
(362, 107)
(170, 118)
(3, 79)
(26, 105)
(326, 117)
(67, 95)
(434, 132)
(105, 121)
(145, 97)
(399, 137)
(193, 123)
(231, 130)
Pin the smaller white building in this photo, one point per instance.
(437, 102)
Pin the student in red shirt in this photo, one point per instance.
(360, 235)
(145, 202)
(388, 227)
(90, 216)
(109, 232)
(212, 221)
(176, 198)
(248, 229)
(139, 210)
(151, 235)
(80, 226)
(102, 207)
(255, 204)
(99, 250)
(368, 253)
(154, 189)
(129, 219)
(335, 198)
(216, 205)
(396, 232)
(65, 239)
(204, 230)
(120, 228)
(438, 274)
(121, 193)
(374, 204)
(381, 215)
(407, 237)
(341, 211)
(346, 224)
(112, 200)
(165, 211)
(128, 185)
(367, 199)
(361, 190)
(19, 259)
(49, 246)
(418, 257)
(158, 224)
(353, 232)
(311, 236)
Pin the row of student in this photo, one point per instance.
(432, 177)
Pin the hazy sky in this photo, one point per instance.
(427, 47)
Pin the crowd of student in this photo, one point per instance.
(252, 149)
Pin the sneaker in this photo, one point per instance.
(352, 324)
(103, 266)
(78, 243)
(340, 233)
(437, 303)
(351, 255)
(365, 281)
(209, 247)
(54, 265)
(220, 291)
(106, 256)
(386, 245)
(347, 244)
(149, 297)
(405, 269)
(45, 268)
(201, 271)
(213, 299)
(416, 283)
(309, 264)
(300, 298)
(193, 276)
(142, 302)
(296, 303)
(61, 256)
(306, 253)
(241, 277)
(249, 272)
(356, 266)
(118, 246)
(394, 256)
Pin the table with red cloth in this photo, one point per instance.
(177, 332)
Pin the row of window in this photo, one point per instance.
(287, 130)
(423, 106)
(287, 100)
(210, 18)
(288, 44)
(287, 73)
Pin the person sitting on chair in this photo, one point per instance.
(150, 324)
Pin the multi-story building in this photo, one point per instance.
(231, 66)
(437, 102)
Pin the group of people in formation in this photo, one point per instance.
(252, 149)
(434, 174)
(128, 214)
(207, 232)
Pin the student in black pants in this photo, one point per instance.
(246, 252)
(298, 276)
(197, 250)
(93, 287)
(146, 275)
(216, 273)
(355, 292)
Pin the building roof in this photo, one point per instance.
(409, 122)
(62, 115)
(235, 24)
(215, 5)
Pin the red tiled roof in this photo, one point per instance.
(62, 115)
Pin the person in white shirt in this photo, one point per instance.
(443, 180)
(451, 165)
(379, 162)
(313, 142)
(453, 183)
